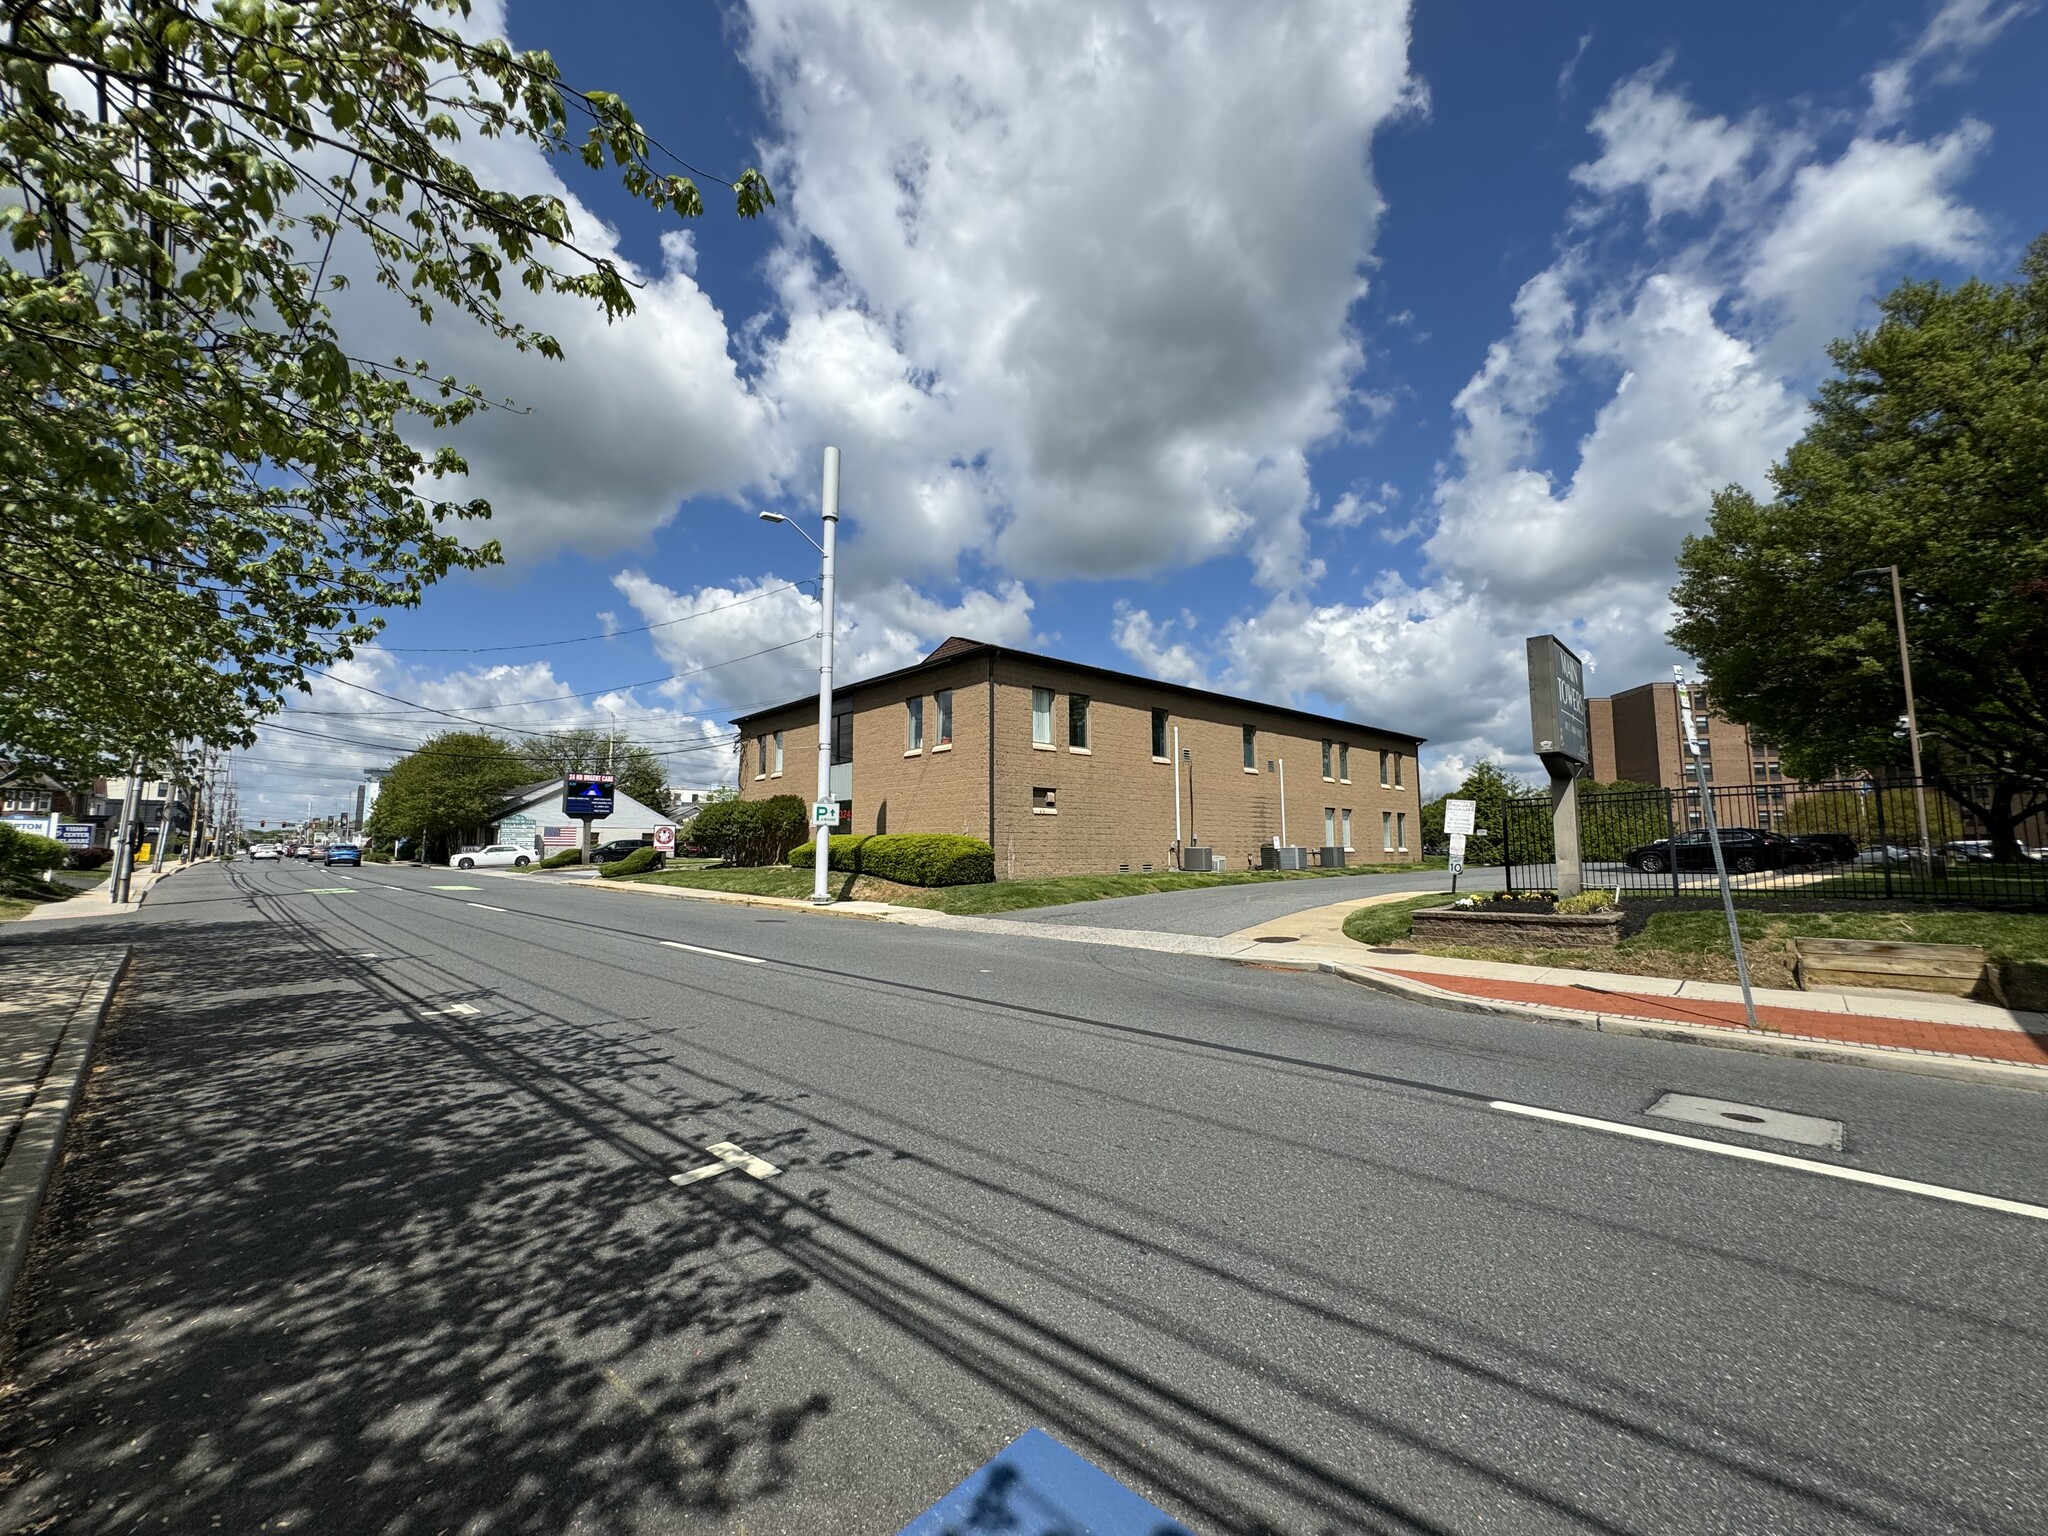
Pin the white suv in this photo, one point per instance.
(497, 854)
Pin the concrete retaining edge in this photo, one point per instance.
(39, 1144)
(1955, 1068)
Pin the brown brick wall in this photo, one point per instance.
(1115, 803)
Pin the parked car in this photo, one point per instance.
(266, 851)
(1744, 849)
(344, 853)
(1825, 847)
(619, 848)
(498, 854)
(1882, 854)
(1971, 850)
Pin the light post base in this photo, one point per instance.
(822, 901)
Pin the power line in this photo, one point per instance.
(541, 645)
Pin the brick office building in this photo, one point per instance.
(1638, 736)
(1077, 775)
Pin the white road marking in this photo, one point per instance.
(483, 906)
(1778, 1160)
(458, 887)
(699, 949)
(730, 1155)
(428, 1013)
(391, 887)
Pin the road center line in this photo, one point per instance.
(482, 906)
(699, 949)
(1776, 1160)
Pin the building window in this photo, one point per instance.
(1344, 762)
(1045, 801)
(778, 754)
(1763, 770)
(1387, 831)
(29, 801)
(760, 757)
(1077, 722)
(842, 737)
(1159, 735)
(1329, 826)
(1041, 717)
(1401, 830)
(1347, 828)
(1326, 763)
(1251, 750)
(913, 725)
(944, 699)
(1397, 770)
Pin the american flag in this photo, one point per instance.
(561, 837)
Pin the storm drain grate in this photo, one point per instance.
(1751, 1119)
(1274, 938)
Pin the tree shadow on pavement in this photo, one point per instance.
(308, 1268)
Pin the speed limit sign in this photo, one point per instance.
(665, 839)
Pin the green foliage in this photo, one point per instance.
(1491, 789)
(206, 493)
(752, 832)
(844, 853)
(561, 860)
(28, 853)
(636, 770)
(89, 858)
(927, 858)
(1860, 816)
(1927, 451)
(451, 784)
(638, 862)
(370, 856)
(1587, 902)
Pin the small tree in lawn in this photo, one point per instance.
(452, 783)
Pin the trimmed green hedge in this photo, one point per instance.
(561, 860)
(752, 832)
(638, 862)
(910, 858)
(845, 853)
(29, 853)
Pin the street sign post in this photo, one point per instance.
(664, 840)
(1563, 738)
(1460, 817)
(1706, 794)
(824, 813)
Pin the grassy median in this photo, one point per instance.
(998, 896)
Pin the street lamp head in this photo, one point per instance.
(773, 517)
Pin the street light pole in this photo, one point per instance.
(829, 509)
(1912, 715)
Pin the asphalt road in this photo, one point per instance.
(1216, 910)
(330, 1256)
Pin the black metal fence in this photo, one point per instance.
(1856, 839)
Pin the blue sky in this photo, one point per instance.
(1317, 351)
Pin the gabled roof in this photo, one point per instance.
(958, 648)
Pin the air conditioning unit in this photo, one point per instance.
(1196, 860)
(1283, 858)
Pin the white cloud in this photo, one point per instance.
(1149, 643)
(1956, 30)
(1653, 142)
(1079, 291)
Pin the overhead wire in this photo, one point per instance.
(541, 645)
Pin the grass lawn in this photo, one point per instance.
(999, 896)
(20, 895)
(1695, 945)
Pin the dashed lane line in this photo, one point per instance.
(718, 954)
(483, 906)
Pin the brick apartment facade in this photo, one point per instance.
(1638, 736)
(1068, 769)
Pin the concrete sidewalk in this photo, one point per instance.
(1903, 1031)
(51, 1005)
(97, 901)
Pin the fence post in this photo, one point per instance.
(1671, 837)
(1884, 843)
(1507, 843)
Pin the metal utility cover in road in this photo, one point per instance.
(1751, 1119)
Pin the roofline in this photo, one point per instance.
(983, 648)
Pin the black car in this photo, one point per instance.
(1744, 849)
(612, 852)
(1826, 847)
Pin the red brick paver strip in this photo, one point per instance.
(1845, 1028)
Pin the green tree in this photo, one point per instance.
(451, 784)
(206, 493)
(637, 770)
(1928, 450)
(1491, 789)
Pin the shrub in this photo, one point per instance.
(752, 832)
(638, 862)
(90, 858)
(1587, 902)
(928, 858)
(561, 860)
(845, 853)
(370, 857)
(28, 853)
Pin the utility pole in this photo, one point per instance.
(829, 509)
(124, 851)
(1912, 715)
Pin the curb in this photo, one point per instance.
(1954, 1068)
(742, 899)
(38, 1144)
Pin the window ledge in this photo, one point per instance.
(1251, 770)
(1045, 810)
(1343, 781)
(915, 752)
(944, 746)
(1158, 759)
(1082, 751)
(1043, 746)
(776, 774)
